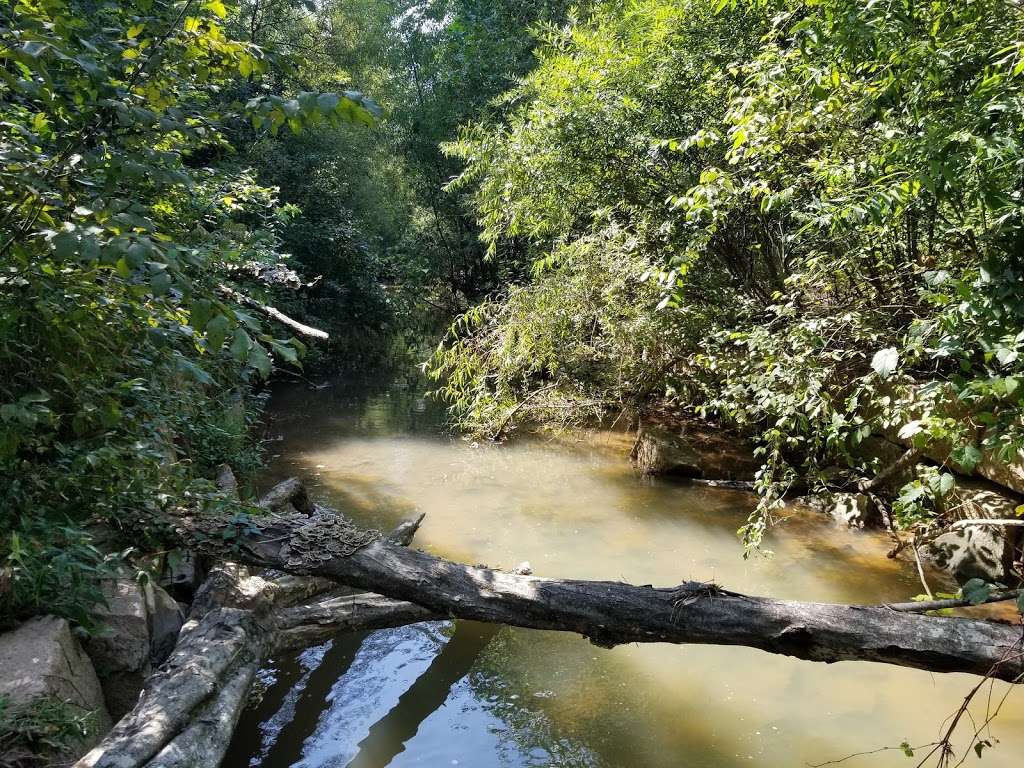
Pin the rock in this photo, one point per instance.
(165, 621)
(984, 552)
(226, 480)
(976, 552)
(182, 574)
(695, 451)
(120, 652)
(41, 658)
(855, 510)
(1008, 474)
(658, 451)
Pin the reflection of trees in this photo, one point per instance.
(496, 683)
(384, 405)
(276, 728)
(600, 714)
(388, 736)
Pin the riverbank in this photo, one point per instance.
(571, 505)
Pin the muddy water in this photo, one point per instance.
(465, 694)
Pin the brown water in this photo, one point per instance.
(465, 694)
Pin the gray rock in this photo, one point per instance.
(165, 620)
(658, 451)
(41, 658)
(855, 510)
(120, 652)
(983, 552)
(977, 552)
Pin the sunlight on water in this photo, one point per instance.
(472, 695)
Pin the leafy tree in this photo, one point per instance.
(126, 220)
(828, 194)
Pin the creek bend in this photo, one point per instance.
(444, 693)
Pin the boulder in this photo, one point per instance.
(1003, 471)
(165, 621)
(658, 451)
(120, 652)
(42, 659)
(855, 510)
(985, 552)
(695, 450)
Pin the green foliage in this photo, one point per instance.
(585, 329)
(830, 192)
(127, 222)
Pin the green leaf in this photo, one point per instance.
(976, 591)
(885, 361)
(160, 283)
(65, 245)
(217, 8)
(328, 102)
(216, 332)
(908, 430)
(201, 311)
(285, 351)
(240, 345)
(259, 360)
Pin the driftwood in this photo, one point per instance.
(275, 314)
(612, 613)
(919, 606)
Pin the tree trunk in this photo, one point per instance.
(189, 708)
(612, 613)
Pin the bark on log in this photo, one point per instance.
(275, 314)
(309, 625)
(190, 707)
(612, 613)
(204, 654)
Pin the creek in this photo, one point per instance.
(474, 695)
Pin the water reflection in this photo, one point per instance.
(573, 508)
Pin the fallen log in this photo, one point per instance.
(275, 314)
(612, 613)
(311, 624)
(190, 707)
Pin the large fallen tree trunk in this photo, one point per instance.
(611, 613)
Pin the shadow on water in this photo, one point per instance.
(273, 730)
